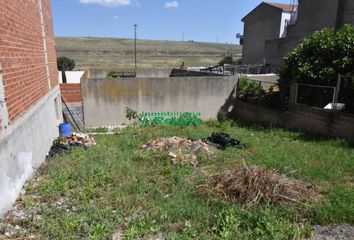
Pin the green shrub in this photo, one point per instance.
(319, 58)
(113, 74)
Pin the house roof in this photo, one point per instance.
(284, 7)
(280, 6)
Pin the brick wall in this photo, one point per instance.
(71, 92)
(26, 77)
(72, 108)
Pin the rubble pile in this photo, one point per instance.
(181, 150)
(65, 144)
(79, 139)
(253, 185)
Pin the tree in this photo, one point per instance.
(65, 64)
(319, 58)
(227, 60)
(113, 74)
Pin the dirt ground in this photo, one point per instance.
(334, 232)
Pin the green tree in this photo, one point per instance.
(319, 58)
(65, 64)
(228, 60)
(113, 74)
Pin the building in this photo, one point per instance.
(30, 105)
(266, 21)
(306, 17)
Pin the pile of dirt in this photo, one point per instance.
(253, 185)
(181, 150)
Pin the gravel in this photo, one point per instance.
(334, 232)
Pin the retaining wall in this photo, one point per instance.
(298, 117)
(105, 99)
(24, 145)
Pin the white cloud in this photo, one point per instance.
(173, 4)
(115, 17)
(107, 3)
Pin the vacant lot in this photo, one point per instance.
(89, 52)
(116, 189)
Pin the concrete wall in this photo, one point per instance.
(105, 99)
(270, 78)
(313, 15)
(274, 51)
(261, 24)
(153, 73)
(140, 73)
(298, 117)
(348, 12)
(30, 106)
(24, 145)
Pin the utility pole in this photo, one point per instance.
(182, 36)
(135, 26)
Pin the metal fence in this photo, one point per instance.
(339, 97)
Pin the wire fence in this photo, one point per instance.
(272, 94)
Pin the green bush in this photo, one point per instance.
(222, 115)
(113, 74)
(228, 60)
(319, 58)
(131, 114)
(248, 88)
(65, 63)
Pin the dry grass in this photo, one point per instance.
(254, 184)
(114, 53)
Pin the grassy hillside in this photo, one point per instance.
(90, 52)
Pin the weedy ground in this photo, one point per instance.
(115, 189)
(118, 54)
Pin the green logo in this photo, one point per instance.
(170, 118)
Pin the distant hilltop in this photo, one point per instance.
(116, 53)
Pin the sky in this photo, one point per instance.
(197, 20)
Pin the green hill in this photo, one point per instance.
(115, 53)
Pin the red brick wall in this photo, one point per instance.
(71, 92)
(22, 54)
